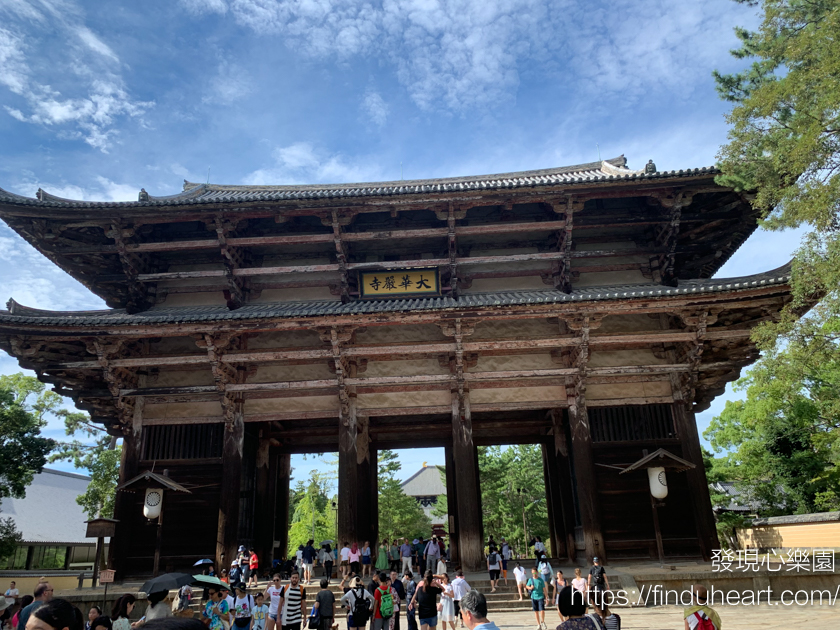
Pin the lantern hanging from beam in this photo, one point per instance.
(658, 482)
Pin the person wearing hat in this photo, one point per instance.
(244, 566)
(243, 607)
(6, 602)
(597, 582)
(359, 603)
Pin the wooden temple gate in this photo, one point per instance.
(572, 308)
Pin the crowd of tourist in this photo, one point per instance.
(377, 591)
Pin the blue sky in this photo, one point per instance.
(100, 99)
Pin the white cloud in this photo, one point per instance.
(376, 108)
(95, 44)
(460, 54)
(85, 65)
(231, 83)
(204, 6)
(302, 163)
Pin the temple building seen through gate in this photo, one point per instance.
(573, 308)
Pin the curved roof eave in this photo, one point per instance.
(22, 315)
(607, 171)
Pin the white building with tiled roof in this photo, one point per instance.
(428, 488)
(52, 524)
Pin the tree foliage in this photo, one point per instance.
(781, 442)
(23, 451)
(512, 482)
(400, 516)
(312, 515)
(784, 143)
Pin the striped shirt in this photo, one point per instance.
(291, 606)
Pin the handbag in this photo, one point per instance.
(314, 620)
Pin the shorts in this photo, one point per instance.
(536, 605)
(307, 566)
(365, 559)
(292, 626)
(504, 564)
(273, 616)
(351, 623)
(428, 621)
(494, 574)
(344, 563)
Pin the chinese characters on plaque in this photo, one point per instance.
(395, 283)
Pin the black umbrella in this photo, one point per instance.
(166, 582)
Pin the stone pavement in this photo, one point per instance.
(670, 618)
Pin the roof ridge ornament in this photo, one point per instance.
(143, 195)
(650, 167)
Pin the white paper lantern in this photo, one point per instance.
(153, 503)
(658, 483)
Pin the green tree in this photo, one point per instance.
(23, 451)
(513, 493)
(400, 516)
(727, 522)
(90, 447)
(782, 443)
(784, 144)
(313, 516)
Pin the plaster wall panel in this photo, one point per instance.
(519, 394)
(403, 399)
(628, 324)
(515, 329)
(210, 408)
(282, 373)
(542, 361)
(286, 339)
(411, 367)
(203, 298)
(301, 403)
(295, 295)
(637, 356)
(395, 334)
(524, 283)
(628, 390)
(609, 278)
(181, 378)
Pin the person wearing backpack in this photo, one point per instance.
(243, 608)
(359, 602)
(294, 604)
(494, 566)
(597, 582)
(700, 616)
(383, 606)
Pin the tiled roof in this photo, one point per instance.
(608, 170)
(426, 482)
(49, 512)
(18, 314)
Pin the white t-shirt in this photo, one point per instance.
(579, 584)
(12, 592)
(345, 554)
(519, 574)
(459, 588)
(274, 594)
(539, 546)
(506, 554)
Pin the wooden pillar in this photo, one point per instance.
(281, 510)
(265, 501)
(228, 530)
(353, 487)
(559, 484)
(554, 503)
(468, 508)
(125, 510)
(698, 485)
(451, 506)
(587, 490)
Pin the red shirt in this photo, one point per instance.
(253, 562)
(377, 598)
